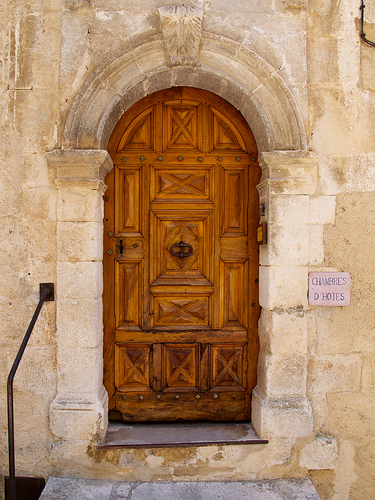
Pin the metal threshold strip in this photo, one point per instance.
(125, 435)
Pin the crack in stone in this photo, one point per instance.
(194, 493)
(130, 494)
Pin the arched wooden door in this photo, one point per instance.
(181, 260)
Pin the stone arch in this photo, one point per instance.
(262, 94)
(223, 67)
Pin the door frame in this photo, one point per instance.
(78, 414)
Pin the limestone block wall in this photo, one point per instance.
(305, 82)
(340, 380)
(30, 55)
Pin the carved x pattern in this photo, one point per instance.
(228, 367)
(180, 368)
(179, 183)
(134, 371)
(174, 311)
(181, 123)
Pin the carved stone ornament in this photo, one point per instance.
(76, 4)
(182, 28)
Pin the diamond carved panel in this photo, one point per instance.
(171, 229)
(188, 233)
(140, 134)
(181, 365)
(133, 366)
(181, 130)
(176, 184)
(228, 365)
(224, 135)
(181, 310)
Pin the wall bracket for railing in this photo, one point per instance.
(363, 34)
(47, 286)
(46, 293)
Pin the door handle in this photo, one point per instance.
(181, 246)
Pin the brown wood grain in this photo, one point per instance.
(181, 337)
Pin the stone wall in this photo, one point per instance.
(300, 74)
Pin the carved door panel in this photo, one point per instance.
(181, 261)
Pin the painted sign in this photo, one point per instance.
(329, 289)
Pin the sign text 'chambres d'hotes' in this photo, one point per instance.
(329, 289)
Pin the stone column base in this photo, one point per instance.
(281, 418)
(82, 421)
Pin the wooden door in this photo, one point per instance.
(181, 260)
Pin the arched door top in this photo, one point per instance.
(223, 67)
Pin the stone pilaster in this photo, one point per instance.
(79, 410)
(280, 407)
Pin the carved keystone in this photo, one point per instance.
(182, 29)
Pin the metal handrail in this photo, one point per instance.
(363, 34)
(46, 293)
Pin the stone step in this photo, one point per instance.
(91, 489)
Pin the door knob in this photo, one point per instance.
(182, 252)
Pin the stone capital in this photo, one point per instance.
(80, 165)
(287, 172)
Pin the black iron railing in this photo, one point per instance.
(46, 293)
(363, 34)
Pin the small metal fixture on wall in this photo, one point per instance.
(363, 34)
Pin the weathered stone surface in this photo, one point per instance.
(322, 209)
(283, 376)
(182, 28)
(320, 454)
(79, 322)
(287, 172)
(316, 244)
(287, 245)
(74, 489)
(79, 422)
(77, 241)
(283, 287)
(288, 210)
(80, 203)
(335, 373)
(80, 280)
(288, 418)
(280, 332)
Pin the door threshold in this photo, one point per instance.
(148, 435)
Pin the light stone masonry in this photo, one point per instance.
(282, 286)
(303, 79)
(283, 331)
(320, 454)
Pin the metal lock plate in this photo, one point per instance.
(129, 248)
